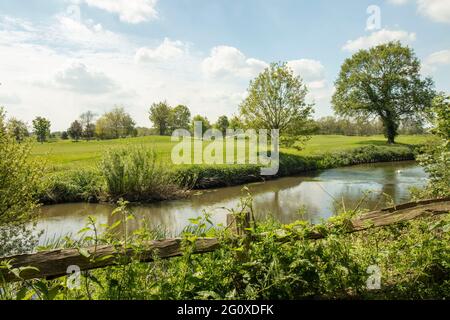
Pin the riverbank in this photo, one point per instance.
(313, 197)
(86, 185)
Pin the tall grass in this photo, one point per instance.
(136, 174)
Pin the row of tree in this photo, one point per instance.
(362, 126)
(166, 119)
(383, 83)
(112, 125)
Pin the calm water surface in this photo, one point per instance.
(310, 197)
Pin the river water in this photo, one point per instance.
(312, 197)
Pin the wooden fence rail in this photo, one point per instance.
(55, 263)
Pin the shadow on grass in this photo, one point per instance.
(381, 143)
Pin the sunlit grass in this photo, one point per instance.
(66, 155)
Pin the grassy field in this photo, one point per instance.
(64, 155)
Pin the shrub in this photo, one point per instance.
(19, 181)
(73, 186)
(135, 174)
(436, 155)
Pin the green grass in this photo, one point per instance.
(66, 155)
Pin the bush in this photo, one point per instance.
(135, 174)
(72, 186)
(436, 155)
(19, 182)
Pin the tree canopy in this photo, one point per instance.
(222, 124)
(277, 100)
(115, 124)
(18, 129)
(41, 129)
(383, 82)
(76, 130)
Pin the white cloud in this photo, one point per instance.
(439, 58)
(131, 11)
(167, 50)
(64, 31)
(311, 71)
(436, 59)
(77, 77)
(68, 66)
(398, 2)
(437, 10)
(225, 61)
(377, 38)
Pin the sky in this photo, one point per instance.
(60, 58)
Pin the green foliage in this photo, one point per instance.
(136, 174)
(115, 124)
(181, 118)
(72, 186)
(166, 119)
(17, 129)
(75, 131)
(276, 100)
(206, 125)
(160, 116)
(88, 126)
(271, 261)
(384, 82)
(436, 155)
(41, 129)
(223, 124)
(19, 182)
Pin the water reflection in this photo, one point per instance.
(319, 193)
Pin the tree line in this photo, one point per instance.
(362, 126)
(378, 90)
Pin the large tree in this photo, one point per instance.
(277, 100)
(76, 130)
(383, 82)
(160, 115)
(41, 129)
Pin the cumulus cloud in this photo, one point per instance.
(311, 71)
(436, 10)
(226, 61)
(79, 78)
(167, 50)
(377, 38)
(131, 11)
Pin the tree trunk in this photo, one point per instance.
(390, 129)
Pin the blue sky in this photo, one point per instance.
(63, 57)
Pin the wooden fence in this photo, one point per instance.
(55, 263)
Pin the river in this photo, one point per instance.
(313, 197)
